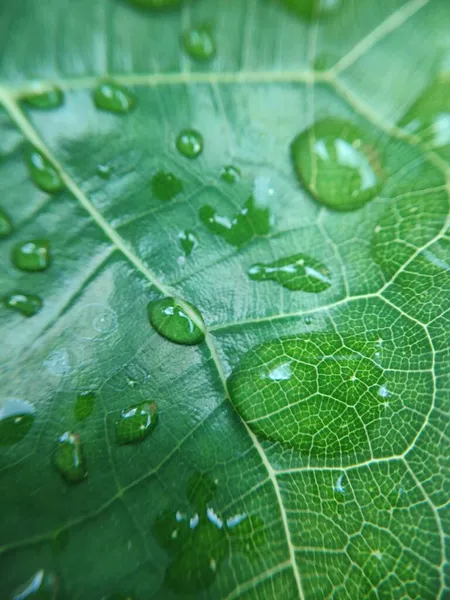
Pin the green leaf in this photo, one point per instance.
(236, 212)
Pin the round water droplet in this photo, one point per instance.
(308, 320)
(177, 320)
(297, 272)
(155, 4)
(166, 185)
(199, 43)
(69, 458)
(33, 255)
(104, 171)
(337, 164)
(84, 405)
(5, 224)
(311, 9)
(45, 100)
(136, 422)
(16, 420)
(42, 171)
(43, 585)
(190, 143)
(188, 241)
(230, 174)
(113, 97)
(26, 304)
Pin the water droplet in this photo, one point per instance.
(26, 304)
(188, 241)
(166, 185)
(42, 171)
(114, 97)
(177, 320)
(339, 486)
(43, 585)
(190, 143)
(252, 220)
(308, 320)
(104, 171)
(136, 422)
(311, 9)
(337, 164)
(199, 43)
(5, 224)
(16, 420)
(230, 174)
(324, 62)
(33, 255)
(45, 100)
(69, 458)
(297, 272)
(84, 405)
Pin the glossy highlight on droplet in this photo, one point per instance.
(26, 304)
(177, 320)
(42, 172)
(113, 97)
(188, 241)
(199, 43)
(230, 174)
(189, 143)
(166, 185)
(33, 255)
(16, 419)
(297, 272)
(104, 171)
(46, 99)
(69, 459)
(84, 405)
(136, 423)
(5, 224)
(43, 585)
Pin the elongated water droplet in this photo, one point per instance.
(69, 458)
(199, 43)
(45, 100)
(312, 9)
(337, 164)
(42, 171)
(43, 585)
(84, 405)
(177, 320)
(114, 98)
(136, 422)
(297, 272)
(188, 241)
(166, 185)
(5, 224)
(16, 420)
(104, 171)
(33, 255)
(230, 174)
(26, 304)
(190, 143)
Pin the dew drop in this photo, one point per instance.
(104, 171)
(26, 304)
(69, 458)
(166, 185)
(230, 174)
(136, 422)
(16, 420)
(308, 320)
(297, 272)
(190, 143)
(114, 98)
(42, 172)
(177, 320)
(337, 164)
(33, 255)
(5, 224)
(84, 405)
(312, 9)
(199, 43)
(45, 100)
(43, 585)
(188, 241)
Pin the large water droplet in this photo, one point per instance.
(190, 143)
(69, 458)
(5, 224)
(43, 585)
(230, 174)
(114, 97)
(311, 9)
(297, 272)
(33, 255)
(177, 320)
(16, 420)
(199, 43)
(84, 405)
(42, 171)
(166, 185)
(136, 422)
(337, 164)
(45, 100)
(26, 304)
(188, 241)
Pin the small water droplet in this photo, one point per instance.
(337, 164)
(308, 320)
(190, 143)
(16, 420)
(69, 459)
(33, 255)
(5, 224)
(313, 9)
(136, 422)
(177, 320)
(114, 98)
(188, 241)
(42, 171)
(339, 486)
(43, 585)
(84, 405)
(230, 174)
(199, 43)
(166, 185)
(26, 304)
(45, 100)
(297, 272)
(104, 171)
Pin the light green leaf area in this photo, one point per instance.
(300, 450)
